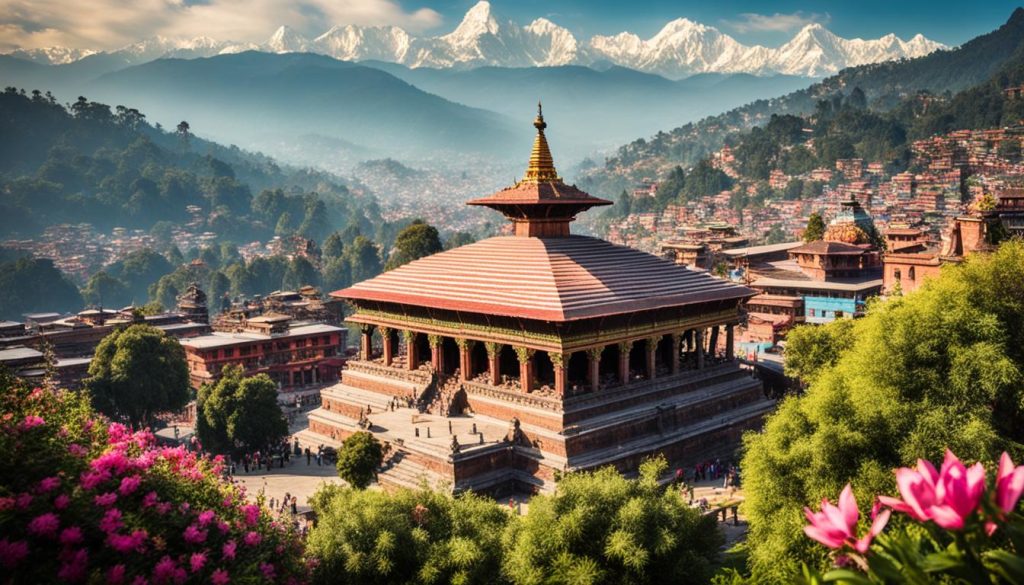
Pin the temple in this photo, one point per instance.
(496, 366)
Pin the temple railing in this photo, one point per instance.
(476, 388)
(582, 401)
(423, 376)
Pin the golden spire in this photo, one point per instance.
(542, 167)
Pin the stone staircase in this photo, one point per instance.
(400, 471)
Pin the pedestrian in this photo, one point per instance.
(309, 456)
(449, 427)
(245, 463)
(295, 506)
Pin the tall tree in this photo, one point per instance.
(239, 414)
(103, 289)
(300, 273)
(138, 372)
(358, 459)
(815, 228)
(364, 257)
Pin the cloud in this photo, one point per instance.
(109, 24)
(751, 22)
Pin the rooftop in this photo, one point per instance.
(550, 279)
(223, 339)
(829, 248)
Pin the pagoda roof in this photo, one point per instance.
(550, 279)
(826, 248)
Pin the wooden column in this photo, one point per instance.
(730, 340)
(465, 359)
(526, 369)
(713, 342)
(560, 363)
(700, 349)
(624, 349)
(676, 348)
(436, 356)
(493, 362)
(652, 357)
(594, 368)
(365, 342)
(387, 343)
(412, 350)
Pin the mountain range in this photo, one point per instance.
(680, 49)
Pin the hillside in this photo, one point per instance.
(88, 163)
(951, 71)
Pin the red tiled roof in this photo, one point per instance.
(549, 279)
(823, 247)
(540, 192)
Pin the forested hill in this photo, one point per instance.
(88, 162)
(884, 84)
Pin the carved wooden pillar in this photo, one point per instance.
(730, 339)
(365, 342)
(652, 357)
(713, 342)
(493, 361)
(624, 349)
(676, 348)
(560, 361)
(387, 344)
(465, 358)
(436, 355)
(526, 369)
(594, 368)
(700, 348)
(412, 350)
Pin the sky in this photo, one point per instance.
(108, 24)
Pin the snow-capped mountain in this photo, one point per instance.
(680, 49)
(52, 55)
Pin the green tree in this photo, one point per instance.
(364, 258)
(103, 289)
(237, 414)
(600, 527)
(459, 239)
(138, 372)
(217, 291)
(417, 240)
(334, 246)
(337, 274)
(300, 273)
(815, 228)
(811, 349)
(138, 270)
(369, 537)
(35, 284)
(358, 459)
(937, 368)
(285, 227)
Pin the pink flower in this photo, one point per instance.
(223, 526)
(1009, 484)
(149, 500)
(44, 525)
(164, 570)
(24, 500)
(49, 484)
(835, 526)
(12, 553)
(115, 576)
(71, 535)
(947, 498)
(31, 421)
(111, 521)
(206, 516)
(126, 543)
(106, 500)
(129, 485)
(73, 569)
(61, 501)
(6, 504)
(163, 508)
(252, 538)
(196, 561)
(220, 577)
(117, 432)
(92, 479)
(194, 535)
(77, 450)
(268, 571)
(252, 514)
(229, 549)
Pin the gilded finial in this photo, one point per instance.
(541, 167)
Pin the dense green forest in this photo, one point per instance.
(992, 60)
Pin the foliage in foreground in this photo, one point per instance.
(937, 368)
(82, 500)
(598, 527)
(952, 527)
(411, 536)
(238, 414)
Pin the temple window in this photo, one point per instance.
(897, 274)
(910, 273)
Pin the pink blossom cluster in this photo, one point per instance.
(951, 497)
(141, 533)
